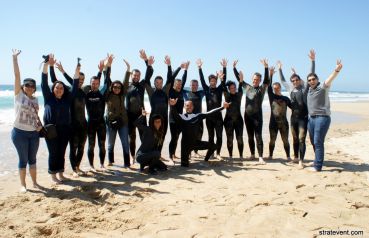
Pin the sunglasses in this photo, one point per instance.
(312, 79)
(29, 85)
(117, 87)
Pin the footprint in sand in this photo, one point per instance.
(300, 186)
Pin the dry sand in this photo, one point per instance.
(225, 199)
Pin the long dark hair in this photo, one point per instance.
(66, 89)
(158, 134)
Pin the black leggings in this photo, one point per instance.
(186, 149)
(56, 148)
(282, 127)
(299, 130)
(99, 129)
(175, 130)
(77, 143)
(215, 124)
(132, 132)
(151, 159)
(234, 125)
(254, 127)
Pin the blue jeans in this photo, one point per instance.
(123, 134)
(318, 127)
(26, 144)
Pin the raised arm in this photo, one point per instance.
(149, 69)
(126, 77)
(184, 76)
(282, 78)
(46, 92)
(223, 80)
(52, 62)
(202, 79)
(17, 81)
(76, 80)
(270, 89)
(141, 121)
(107, 80)
(334, 74)
(59, 66)
(312, 58)
(266, 81)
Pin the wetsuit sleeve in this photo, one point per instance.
(175, 114)
(107, 82)
(266, 81)
(141, 122)
(222, 86)
(99, 75)
(148, 74)
(202, 80)
(74, 87)
(270, 91)
(240, 91)
(206, 114)
(237, 75)
(52, 74)
(284, 82)
(312, 70)
(170, 80)
(46, 92)
(125, 82)
(184, 78)
(288, 103)
(176, 72)
(68, 78)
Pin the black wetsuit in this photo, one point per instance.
(149, 152)
(196, 99)
(134, 105)
(213, 97)
(253, 112)
(159, 99)
(299, 115)
(174, 127)
(95, 105)
(233, 121)
(278, 119)
(190, 123)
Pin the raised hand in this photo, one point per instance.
(60, 67)
(224, 63)
(199, 63)
(150, 60)
(143, 55)
(127, 65)
(226, 104)
(187, 64)
(143, 112)
(100, 66)
(110, 59)
(293, 70)
(220, 74)
(271, 70)
(16, 53)
(167, 60)
(52, 60)
(264, 62)
(173, 101)
(338, 66)
(279, 64)
(312, 55)
(235, 63)
(241, 76)
(183, 65)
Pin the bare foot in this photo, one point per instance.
(62, 177)
(55, 179)
(301, 165)
(261, 161)
(92, 169)
(75, 174)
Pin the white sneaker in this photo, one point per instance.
(219, 157)
(312, 169)
(23, 189)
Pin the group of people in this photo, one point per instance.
(118, 108)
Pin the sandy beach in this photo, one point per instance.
(224, 199)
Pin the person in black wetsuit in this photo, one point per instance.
(79, 124)
(278, 116)
(213, 95)
(196, 97)
(149, 153)
(190, 123)
(299, 116)
(135, 102)
(159, 95)
(233, 122)
(176, 92)
(253, 108)
(58, 103)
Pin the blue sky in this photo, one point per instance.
(187, 30)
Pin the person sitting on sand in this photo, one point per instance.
(319, 113)
(149, 153)
(26, 125)
(190, 124)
